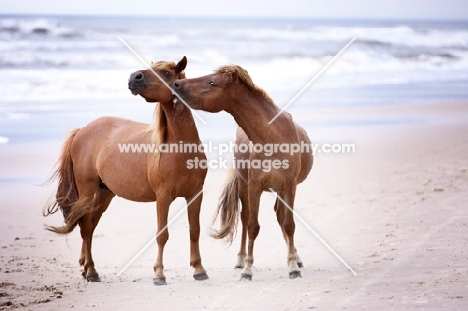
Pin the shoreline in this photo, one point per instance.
(317, 118)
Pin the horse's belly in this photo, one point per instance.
(126, 176)
(133, 191)
(128, 186)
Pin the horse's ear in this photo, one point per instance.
(232, 75)
(181, 65)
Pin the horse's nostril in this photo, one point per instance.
(139, 76)
(176, 84)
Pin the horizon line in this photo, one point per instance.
(262, 17)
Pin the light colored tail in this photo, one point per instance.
(228, 208)
(67, 194)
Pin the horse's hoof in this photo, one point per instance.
(93, 278)
(245, 276)
(295, 274)
(201, 276)
(238, 267)
(159, 281)
(300, 265)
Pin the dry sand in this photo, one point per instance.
(396, 211)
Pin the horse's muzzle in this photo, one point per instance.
(136, 82)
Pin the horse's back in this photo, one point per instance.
(108, 127)
(105, 134)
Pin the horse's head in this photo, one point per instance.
(213, 92)
(149, 83)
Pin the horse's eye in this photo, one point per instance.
(212, 83)
(167, 73)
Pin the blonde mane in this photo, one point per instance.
(158, 128)
(235, 72)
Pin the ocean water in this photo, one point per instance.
(60, 72)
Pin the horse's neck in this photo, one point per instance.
(252, 114)
(180, 125)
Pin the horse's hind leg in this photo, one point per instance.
(280, 214)
(289, 228)
(244, 198)
(253, 228)
(193, 211)
(88, 224)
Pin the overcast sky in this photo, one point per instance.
(335, 9)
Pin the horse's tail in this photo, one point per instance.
(67, 198)
(228, 208)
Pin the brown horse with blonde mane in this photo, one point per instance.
(231, 89)
(92, 169)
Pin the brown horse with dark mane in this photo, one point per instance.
(231, 89)
(92, 169)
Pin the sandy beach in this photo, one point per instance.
(395, 211)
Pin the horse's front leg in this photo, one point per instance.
(193, 211)
(162, 235)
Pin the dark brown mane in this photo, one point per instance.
(235, 72)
